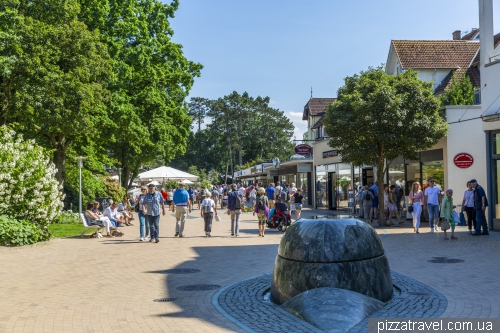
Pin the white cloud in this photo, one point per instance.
(300, 125)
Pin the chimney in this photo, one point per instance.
(486, 30)
(457, 34)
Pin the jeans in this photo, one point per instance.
(471, 217)
(180, 216)
(208, 217)
(433, 213)
(481, 221)
(235, 222)
(154, 226)
(114, 223)
(144, 225)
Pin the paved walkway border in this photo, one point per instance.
(243, 304)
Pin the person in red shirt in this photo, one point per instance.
(164, 194)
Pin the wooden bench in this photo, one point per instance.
(86, 227)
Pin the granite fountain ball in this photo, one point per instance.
(340, 253)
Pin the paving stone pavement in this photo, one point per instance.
(109, 284)
(244, 303)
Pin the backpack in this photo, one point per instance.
(367, 196)
(207, 206)
(238, 200)
(261, 204)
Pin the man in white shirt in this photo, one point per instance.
(432, 200)
(278, 189)
(112, 213)
(241, 190)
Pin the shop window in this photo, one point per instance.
(435, 170)
(321, 187)
(304, 185)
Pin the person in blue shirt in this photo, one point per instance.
(271, 195)
(151, 204)
(183, 205)
(374, 190)
(480, 204)
(191, 195)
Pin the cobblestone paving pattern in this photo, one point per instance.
(244, 304)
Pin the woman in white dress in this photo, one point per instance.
(416, 199)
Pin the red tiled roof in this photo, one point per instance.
(470, 35)
(471, 72)
(316, 107)
(418, 54)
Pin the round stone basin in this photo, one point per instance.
(340, 253)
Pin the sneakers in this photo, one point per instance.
(142, 239)
(181, 235)
(157, 240)
(432, 230)
(208, 235)
(151, 240)
(176, 234)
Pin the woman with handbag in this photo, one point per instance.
(143, 219)
(447, 213)
(415, 202)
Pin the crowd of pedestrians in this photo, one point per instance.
(438, 204)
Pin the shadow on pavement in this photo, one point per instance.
(218, 266)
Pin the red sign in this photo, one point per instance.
(463, 160)
(303, 149)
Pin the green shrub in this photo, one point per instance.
(17, 233)
(28, 186)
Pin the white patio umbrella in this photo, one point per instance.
(185, 181)
(164, 173)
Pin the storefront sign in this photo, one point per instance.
(273, 173)
(303, 149)
(304, 168)
(463, 160)
(330, 153)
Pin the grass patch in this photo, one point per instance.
(67, 230)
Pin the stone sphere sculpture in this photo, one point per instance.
(340, 253)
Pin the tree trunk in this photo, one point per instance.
(231, 159)
(240, 156)
(261, 149)
(380, 184)
(225, 179)
(60, 162)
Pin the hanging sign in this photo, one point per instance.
(463, 160)
(303, 149)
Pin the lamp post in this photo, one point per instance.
(120, 176)
(80, 165)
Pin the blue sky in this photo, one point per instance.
(280, 48)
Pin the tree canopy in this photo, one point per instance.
(378, 117)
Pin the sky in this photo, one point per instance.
(282, 48)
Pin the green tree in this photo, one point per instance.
(461, 91)
(198, 108)
(152, 80)
(54, 72)
(378, 117)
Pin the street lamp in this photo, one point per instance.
(120, 176)
(80, 165)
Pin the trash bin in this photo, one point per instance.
(103, 203)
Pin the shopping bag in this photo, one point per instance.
(462, 221)
(455, 216)
(217, 218)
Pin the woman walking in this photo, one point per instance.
(447, 212)
(468, 207)
(143, 220)
(262, 210)
(298, 199)
(208, 213)
(416, 200)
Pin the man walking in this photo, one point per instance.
(151, 203)
(234, 210)
(215, 195)
(480, 204)
(271, 195)
(277, 191)
(183, 205)
(432, 201)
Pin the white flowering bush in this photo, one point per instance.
(28, 187)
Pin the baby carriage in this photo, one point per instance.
(279, 217)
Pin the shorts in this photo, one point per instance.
(298, 206)
(392, 207)
(262, 218)
(375, 202)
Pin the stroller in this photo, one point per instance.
(279, 217)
